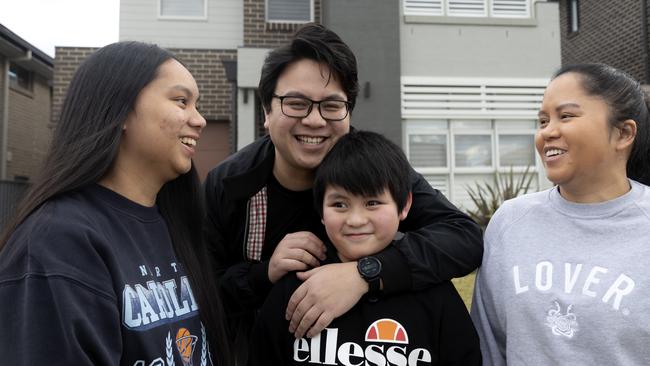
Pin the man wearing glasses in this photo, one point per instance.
(261, 221)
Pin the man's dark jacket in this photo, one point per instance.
(440, 242)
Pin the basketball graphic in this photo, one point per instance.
(185, 343)
(387, 331)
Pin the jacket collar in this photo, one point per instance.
(260, 155)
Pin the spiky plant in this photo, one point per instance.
(488, 196)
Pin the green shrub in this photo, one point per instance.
(488, 196)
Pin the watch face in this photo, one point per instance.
(369, 267)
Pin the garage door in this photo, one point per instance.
(213, 147)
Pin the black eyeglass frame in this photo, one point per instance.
(311, 106)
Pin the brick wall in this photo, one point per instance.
(206, 67)
(608, 32)
(29, 129)
(65, 64)
(259, 33)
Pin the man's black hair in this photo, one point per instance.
(314, 42)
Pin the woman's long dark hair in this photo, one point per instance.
(626, 100)
(85, 144)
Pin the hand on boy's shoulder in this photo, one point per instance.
(327, 292)
(297, 251)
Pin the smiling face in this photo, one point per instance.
(360, 226)
(301, 143)
(161, 132)
(575, 140)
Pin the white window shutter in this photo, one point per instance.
(298, 11)
(439, 182)
(467, 8)
(423, 7)
(428, 150)
(511, 8)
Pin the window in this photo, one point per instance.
(183, 9)
(516, 151)
(454, 154)
(469, 8)
(473, 151)
(573, 16)
(20, 78)
(289, 11)
(460, 131)
(428, 150)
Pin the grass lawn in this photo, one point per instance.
(465, 287)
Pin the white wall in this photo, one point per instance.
(223, 28)
(249, 67)
(483, 50)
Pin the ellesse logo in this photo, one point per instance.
(386, 330)
(386, 345)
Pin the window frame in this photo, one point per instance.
(183, 17)
(500, 129)
(267, 20)
(426, 128)
(515, 168)
(15, 84)
(451, 174)
(472, 169)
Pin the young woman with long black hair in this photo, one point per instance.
(104, 262)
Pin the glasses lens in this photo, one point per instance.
(296, 106)
(333, 109)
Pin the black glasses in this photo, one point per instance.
(300, 107)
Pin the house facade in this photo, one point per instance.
(473, 74)
(25, 101)
(456, 83)
(25, 129)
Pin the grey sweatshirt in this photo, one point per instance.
(566, 284)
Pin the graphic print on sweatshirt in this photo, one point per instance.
(386, 342)
(159, 301)
(575, 283)
(562, 324)
(184, 346)
(162, 308)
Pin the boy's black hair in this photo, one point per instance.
(364, 163)
(313, 42)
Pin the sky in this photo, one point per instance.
(49, 23)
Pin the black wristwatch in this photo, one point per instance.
(370, 269)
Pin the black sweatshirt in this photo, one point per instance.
(428, 327)
(91, 278)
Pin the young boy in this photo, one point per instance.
(362, 192)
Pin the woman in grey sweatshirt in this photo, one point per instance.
(564, 279)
